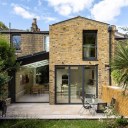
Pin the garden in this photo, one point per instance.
(36, 123)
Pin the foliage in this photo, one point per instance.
(122, 121)
(3, 26)
(44, 77)
(115, 123)
(119, 65)
(7, 63)
(125, 29)
(110, 124)
(7, 55)
(111, 111)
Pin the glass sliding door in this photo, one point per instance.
(72, 82)
(90, 81)
(75, 84)
(62, 84)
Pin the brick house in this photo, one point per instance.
(79, 58)
(84, 49)
(32, 52)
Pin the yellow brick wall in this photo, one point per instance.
(121, 101)
(66, 39)
(30, 43)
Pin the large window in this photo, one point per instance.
(89, 44)
(46, 43)
(16, 41)
(72, 82)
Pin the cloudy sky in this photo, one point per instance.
(21, 12)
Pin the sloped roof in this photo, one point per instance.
(33, 58)
(79, 17)
(120, 36)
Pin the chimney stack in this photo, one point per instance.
(34, 27)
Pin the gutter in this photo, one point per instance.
(110, 52)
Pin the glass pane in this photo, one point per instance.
(89, 44)
(89, 51)
(90, 38)
(16, 40)
(90, 81)
(46, 43)
(75, 84)
(32, 84)
(62, 88)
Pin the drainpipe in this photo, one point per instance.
(10, 34)
(110, 52)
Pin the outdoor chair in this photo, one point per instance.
(85, 106)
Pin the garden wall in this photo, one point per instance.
(122, 101)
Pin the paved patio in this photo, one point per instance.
(46, 111)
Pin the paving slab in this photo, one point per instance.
(46, 111)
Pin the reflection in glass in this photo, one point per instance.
(89, 44)
(90, 81)
(75, 84)
(46, 43)
(16, 40)
(62, 93)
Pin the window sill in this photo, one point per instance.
(90, 59)
(18, 51)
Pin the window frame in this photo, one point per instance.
(17, 51)
(44, 43)
(90, 58)
(83, 79)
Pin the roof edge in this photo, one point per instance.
(79, 17)
(26, 32)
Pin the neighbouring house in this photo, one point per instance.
(32, 51)
(78, 55)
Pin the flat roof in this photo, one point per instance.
(23, 31)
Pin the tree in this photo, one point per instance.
(119, 65)
(7, 63)
(3, 26)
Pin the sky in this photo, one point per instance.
(21, 12)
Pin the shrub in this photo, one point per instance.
(122, 121)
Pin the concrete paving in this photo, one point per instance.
(46, 111)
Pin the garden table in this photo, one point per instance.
(98, 105)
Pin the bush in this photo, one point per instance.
(110, 124)
(122, 121)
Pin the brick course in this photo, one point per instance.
(66, 48)
(30, 43)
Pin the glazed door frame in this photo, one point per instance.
(83, 79)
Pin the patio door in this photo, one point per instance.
(72, 82)
(90, 81)
(75, 84)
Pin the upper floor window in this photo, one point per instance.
(46, 43)
(90, 44)
(16, 41)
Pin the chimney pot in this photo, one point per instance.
(34, 27)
